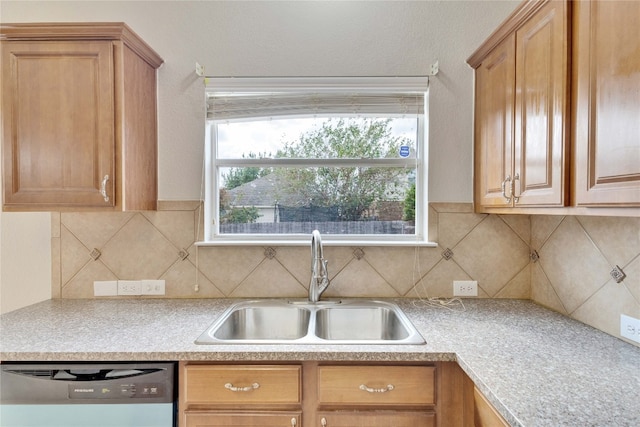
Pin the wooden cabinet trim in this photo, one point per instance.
(81, 31)
(504, 30)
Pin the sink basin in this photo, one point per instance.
(261, 321)
(360, 323)
(303, 322)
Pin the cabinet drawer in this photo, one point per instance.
(376, 419)
(376, 385)
(248, 419)
(242, 384)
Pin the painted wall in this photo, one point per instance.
(25, 272)
(25, 259)
(288, 38)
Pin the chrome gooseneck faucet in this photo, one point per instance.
(319, 272)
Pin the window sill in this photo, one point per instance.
(326, 241)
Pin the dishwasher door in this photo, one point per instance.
(88, 395)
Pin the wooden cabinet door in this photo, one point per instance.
(484, 414)
(494, 125)
(541, 108)
(376, 419)
(58, 123)
(606, 99)
(243, 419)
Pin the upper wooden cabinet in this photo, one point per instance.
(522, 109)
(495, 86)
(557, 114)
(606, 95)
(79, 118)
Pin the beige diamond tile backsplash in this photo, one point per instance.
(577, 254)
(571, 275)
(569, 256)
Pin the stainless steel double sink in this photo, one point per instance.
(303, 322)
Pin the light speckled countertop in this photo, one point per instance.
(537, 367)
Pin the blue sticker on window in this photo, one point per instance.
(405, 150)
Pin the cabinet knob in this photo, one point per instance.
(294, 422)
(323, 422)
(103, 188)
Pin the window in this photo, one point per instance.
(346, 156)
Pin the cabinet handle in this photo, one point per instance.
(513, 188)
(323, 422)
(103, 188)
(376, 390)
(504, 187)
(231, 387)
(294, 423)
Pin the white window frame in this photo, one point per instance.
(212, 237)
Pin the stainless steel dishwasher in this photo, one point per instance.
(88, 395)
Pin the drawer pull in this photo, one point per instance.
(231, 387)
(323, 422)
(376, 390)
(294, 423)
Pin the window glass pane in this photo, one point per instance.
(334, 200)
(318, 137)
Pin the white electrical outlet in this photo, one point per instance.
(105, 288)
(630, 328)
(129, 287)
(152, 287)
(465, 288)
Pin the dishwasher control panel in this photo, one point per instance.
(109, 390)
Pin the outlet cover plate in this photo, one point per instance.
(465, 288)
(630, 328)
(105, 288)
(152, 287)
(129, 287)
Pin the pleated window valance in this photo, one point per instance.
(232, 99)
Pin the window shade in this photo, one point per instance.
(235, 99)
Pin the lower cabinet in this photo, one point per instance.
(484, 414)
(376, 419)
(232, 419)
(408, 390)
(240, 395)
(324, 394)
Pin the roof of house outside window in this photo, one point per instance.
(265, 191)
